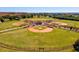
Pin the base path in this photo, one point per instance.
(36, 30)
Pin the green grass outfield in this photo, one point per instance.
(23, 38)
(69, 22)
(7, 25)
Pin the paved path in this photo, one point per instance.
(7, 30)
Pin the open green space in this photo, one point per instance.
(69, 22)
(7, 25)
(23, 38)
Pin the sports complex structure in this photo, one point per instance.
(39, 32)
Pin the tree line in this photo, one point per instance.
(67, 16)
(61, 16)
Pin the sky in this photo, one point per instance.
(40, 9)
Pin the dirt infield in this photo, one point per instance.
(60, 23)
(18, 23)
(36, 30)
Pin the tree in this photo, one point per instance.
(29, 16)
(76, 45)
(1, 19)
(23, 16)
(16, 18)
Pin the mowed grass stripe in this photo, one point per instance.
(25, 38)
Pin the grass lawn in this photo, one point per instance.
(7, 25)
(69, 22)
(40, 19)
(24, 38)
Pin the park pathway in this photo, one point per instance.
(11, 29)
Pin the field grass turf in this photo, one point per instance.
(23, 38)
(7, 25)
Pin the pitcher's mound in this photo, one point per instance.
(37, 30)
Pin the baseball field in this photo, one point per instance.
(57, 40)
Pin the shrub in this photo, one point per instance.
(76, 45)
